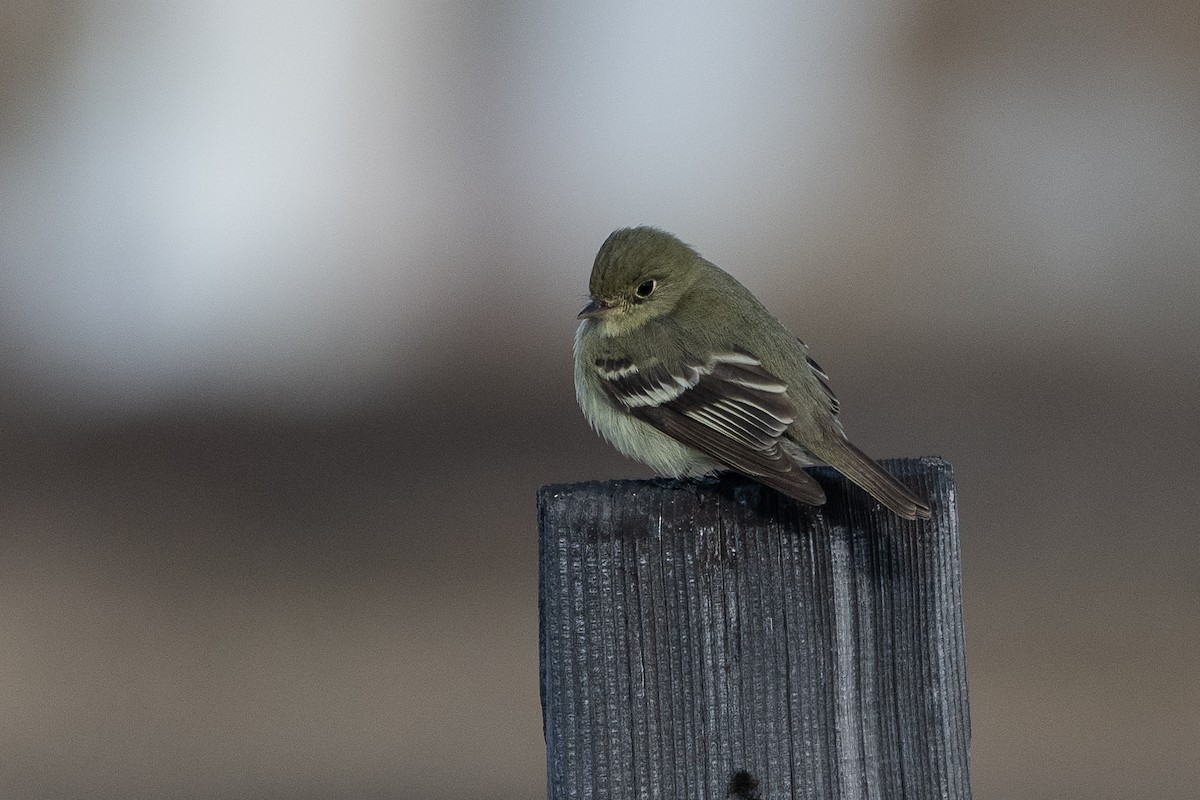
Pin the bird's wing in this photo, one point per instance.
(726, 406)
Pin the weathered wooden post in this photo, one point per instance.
(701, 641)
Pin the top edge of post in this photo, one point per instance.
(929, 464)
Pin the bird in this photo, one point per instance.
(680, 367)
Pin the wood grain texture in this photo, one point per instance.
(705, 640)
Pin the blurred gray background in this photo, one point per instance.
(287, 296)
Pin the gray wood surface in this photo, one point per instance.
(709, 640)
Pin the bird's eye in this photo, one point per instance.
(644, 290)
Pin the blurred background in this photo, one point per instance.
(287, 296)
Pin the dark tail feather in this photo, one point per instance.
(874, 479)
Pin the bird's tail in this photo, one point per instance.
(874, 479)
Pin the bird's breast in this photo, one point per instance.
(628, 434)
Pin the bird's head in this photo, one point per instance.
(639, 274)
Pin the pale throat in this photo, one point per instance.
(620, 322)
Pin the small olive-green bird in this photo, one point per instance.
(681, 368)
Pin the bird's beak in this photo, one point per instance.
(596, 308)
